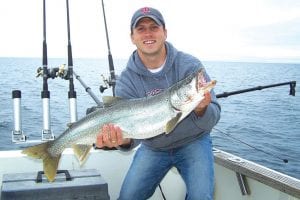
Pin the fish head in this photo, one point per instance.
(187, 93)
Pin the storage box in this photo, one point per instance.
(78, 184)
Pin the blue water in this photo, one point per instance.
(268, 120)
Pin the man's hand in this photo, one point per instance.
(111, 136)
(201, 108)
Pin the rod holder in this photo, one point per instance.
(46, 132)
(17, 133)
(73, 106)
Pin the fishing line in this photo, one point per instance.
(162, 193)
(251, 146)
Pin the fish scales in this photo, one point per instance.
(150, 120)
(138, 118)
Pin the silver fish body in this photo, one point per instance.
(138, 118)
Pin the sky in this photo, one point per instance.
(230, 30)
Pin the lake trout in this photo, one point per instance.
(139, 118)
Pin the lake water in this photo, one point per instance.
(261, 126)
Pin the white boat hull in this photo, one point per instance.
(261, 183)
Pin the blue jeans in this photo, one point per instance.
(193, 161)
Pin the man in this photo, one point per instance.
(154, 66)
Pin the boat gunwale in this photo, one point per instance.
(267, 176)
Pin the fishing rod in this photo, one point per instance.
(112, 80)
(45, 94)
(291, 83)
(72, 92)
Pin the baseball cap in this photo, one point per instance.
(147, 12)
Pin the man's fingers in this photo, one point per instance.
(105, 133)
(99, 142)
(119, 135)
(112, 134)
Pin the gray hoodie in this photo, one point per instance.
(137, 81)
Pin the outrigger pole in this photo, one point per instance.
(72, 92)
(112, 79)
(291, 83)
(45, 94)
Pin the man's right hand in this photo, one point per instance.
(111, 136)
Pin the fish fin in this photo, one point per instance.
(172, 123)
(81, 151)
(110, 100)
(50, 163)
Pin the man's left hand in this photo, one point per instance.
(201, 108)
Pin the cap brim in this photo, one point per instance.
(146, 16)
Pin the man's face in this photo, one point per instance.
(148, 36)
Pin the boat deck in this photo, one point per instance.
(236, 178)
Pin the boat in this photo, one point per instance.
(236, 178)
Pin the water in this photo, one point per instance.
(267, 120)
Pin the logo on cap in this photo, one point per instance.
(145, 10)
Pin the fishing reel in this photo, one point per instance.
(54, 72)
(108, 82)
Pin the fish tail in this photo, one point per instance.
(50, 162)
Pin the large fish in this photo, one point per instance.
(138, 118)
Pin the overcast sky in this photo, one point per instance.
(235, 30)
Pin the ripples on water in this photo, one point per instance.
(268, 120)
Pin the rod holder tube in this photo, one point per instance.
(73, 106)
(46, 132)
(17, 133)
(16, 95)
